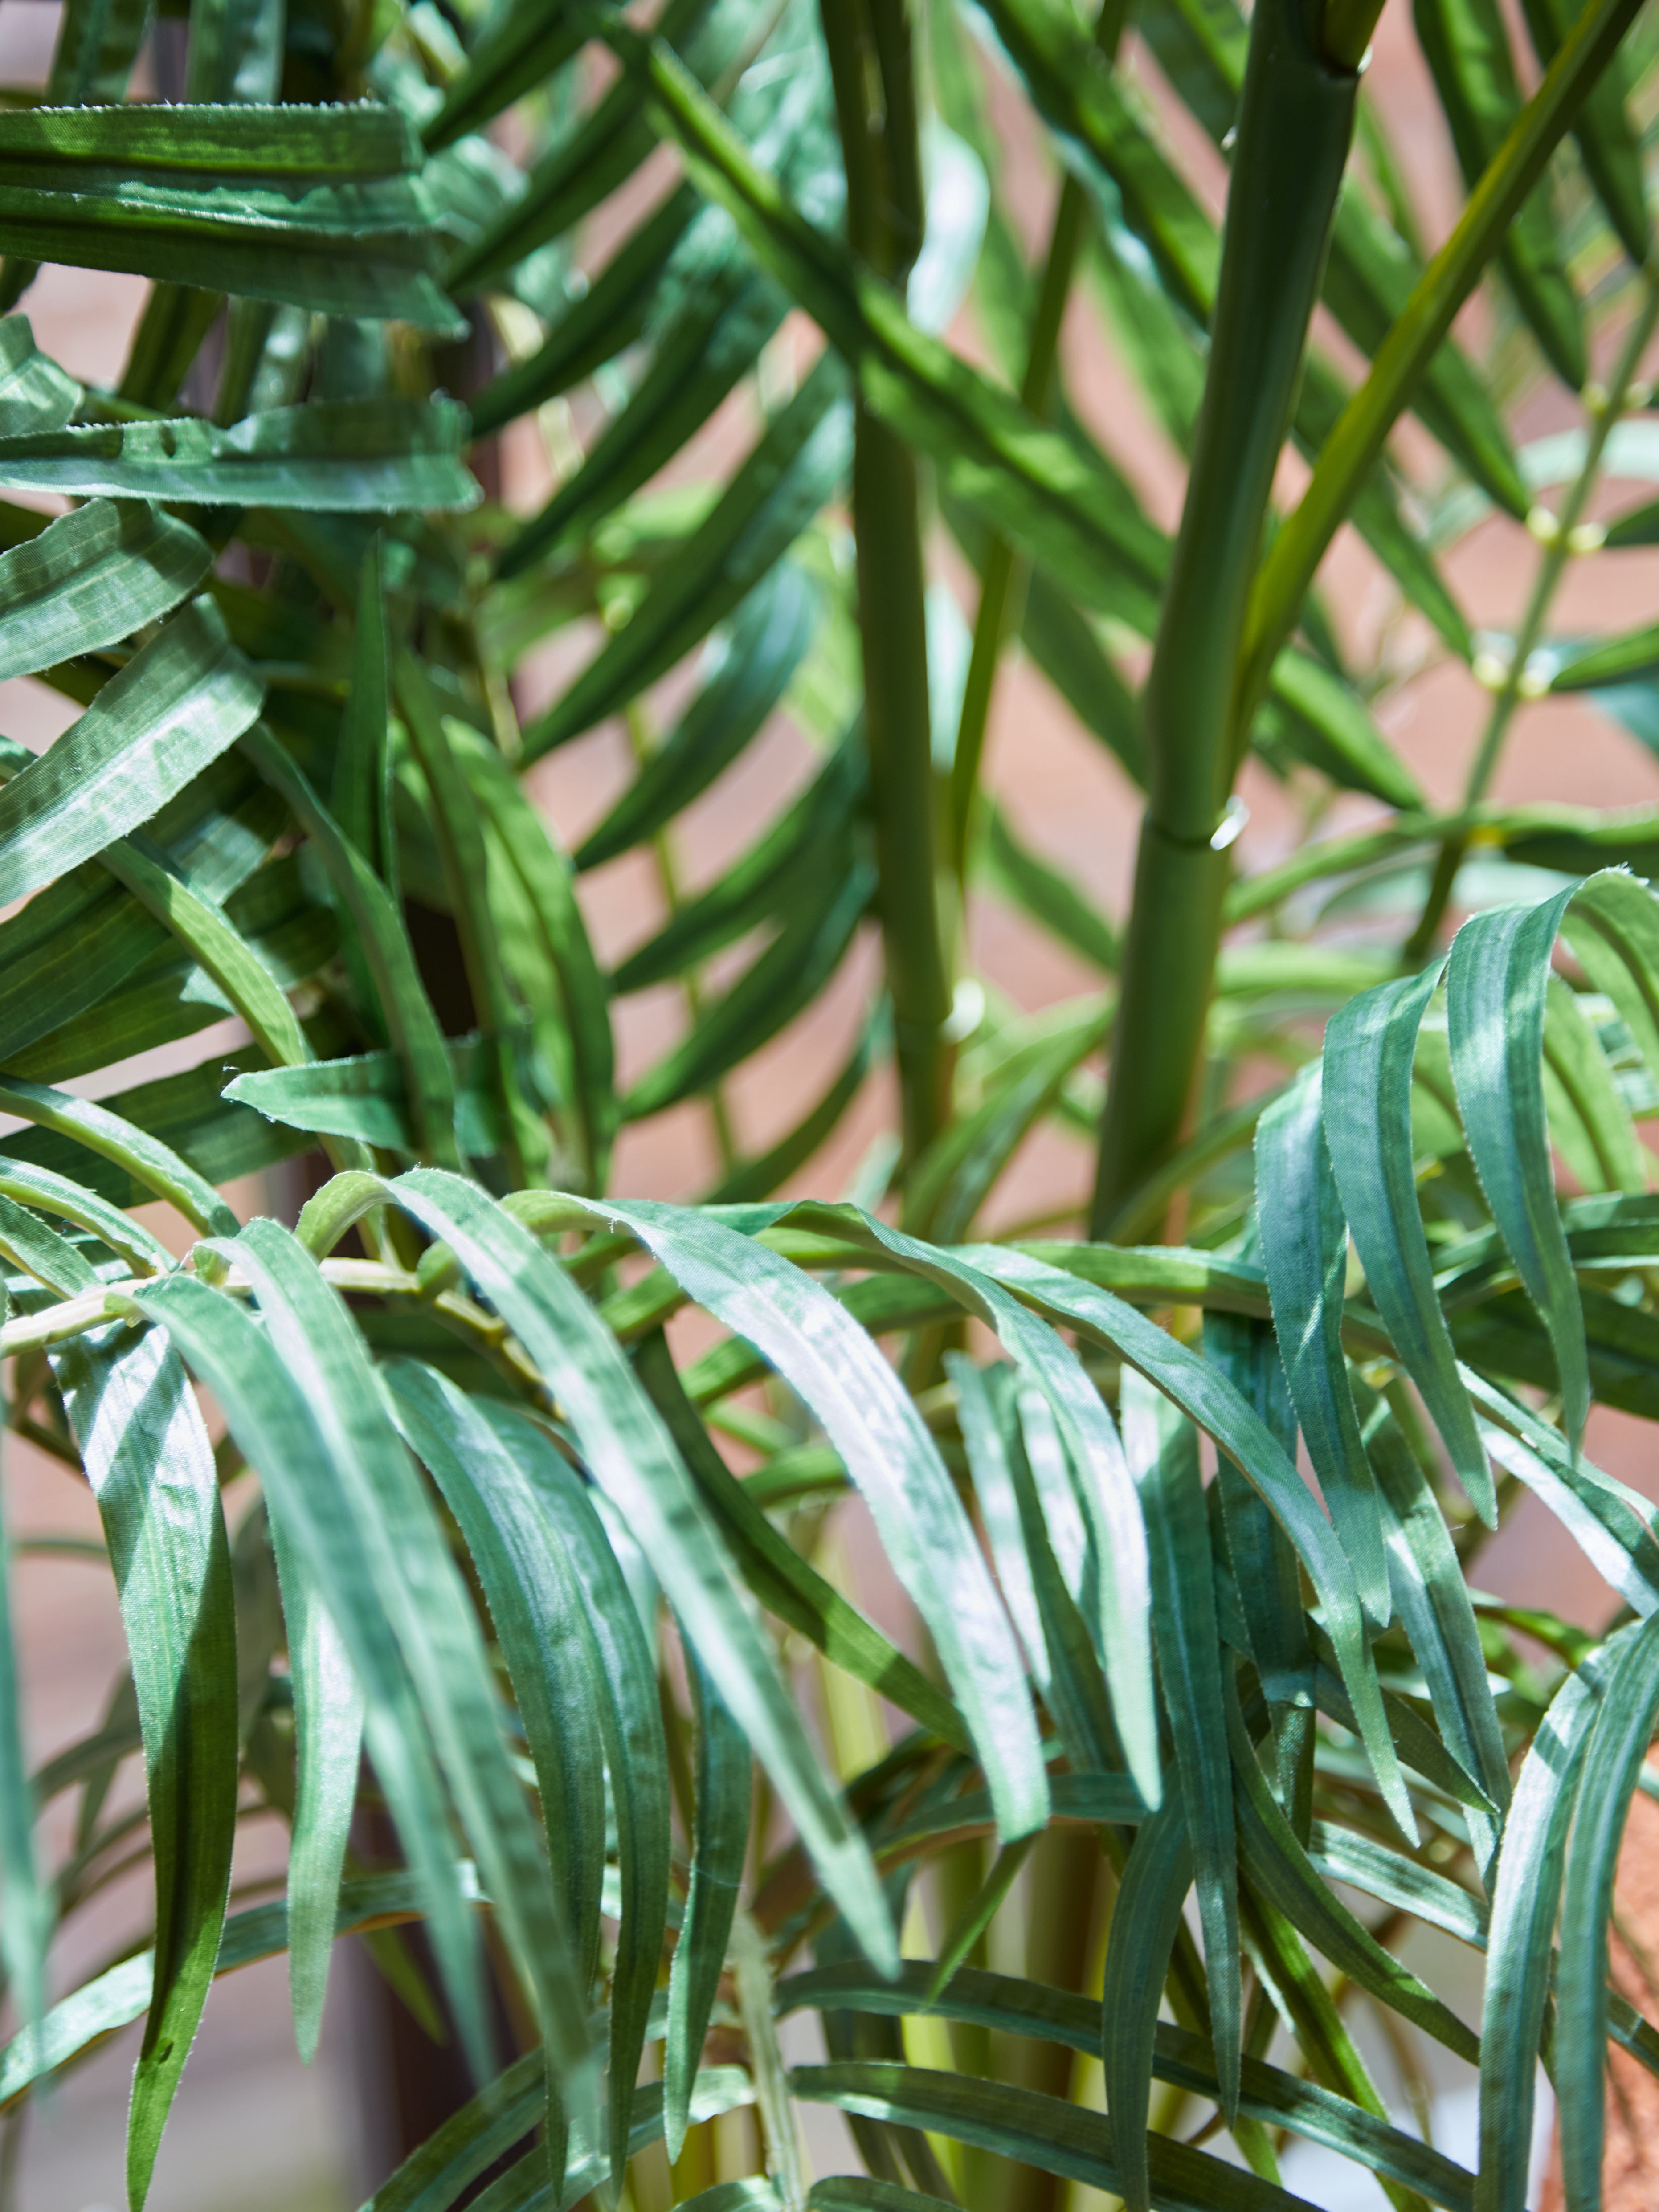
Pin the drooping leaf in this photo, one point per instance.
(1305, 1239)
(437, 1631)
(269, 1416)
(1618, 1745)
(1523, 1907)
(341, 457)
(746, 676)
(27, 1902)
(1496, 991)
(173, 708)
(151, 1465)
(719, 1846)
(1370, 1047)
(205, 196)
(1044, 2131)
(92, 578)
(769, 500)
(328, 1730)
(1163, 1449)
(634, 1461)
(834, 1368)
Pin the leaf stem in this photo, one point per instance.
(1561, 539)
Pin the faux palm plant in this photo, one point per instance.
(566, 1605)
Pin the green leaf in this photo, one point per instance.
(1161, 1446)
(1062, 642)
(115, 1998)
(328, 1732)
(1029, 882)
(1369, 1050)
(1432, 1602)
(35, 394)
(1355, 444)
(949, 1183)
(1619, 660)
(698, 358)
(1048, 2132)
(51, 1192)
(525, 43)
(1013, 2007)
(331, 457)
(271, 1416)
(26, 1928)
(817, 926)
(1496, 989)
(235, 51)
(1613, 930)
(759, 1177)
(747, 673)
(173, 708)
(92, 578)
(1146, 1914)
(581, 1674)
(1305, 1239)
(1264, 1564)
(1618, 1745)
(309, 1326)
(834, 1367)
(27, 1242)
(1613, 1525)
(1608, 141)
(1206, 1397)
(1576, 1072)
(149, 1163)
(1523, 1905)
(151, 1465)
(1467, 45)
(601, 148)
(581, 1044)
(784, 1582)
(610, 315)
(1282, 1874)
(767, 502)
(383, 947)
(435, 2176)
(720, 1844)
(634, 1462)
(1027, 481)
(204, 195)
(203, 928)
(810, 840)
(1349, 747)
(1043, 1608)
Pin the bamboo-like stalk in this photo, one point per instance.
(869, 44)
(1295, 120)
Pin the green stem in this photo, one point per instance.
(1295, 120)
(1561, 539)
(869, 47)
